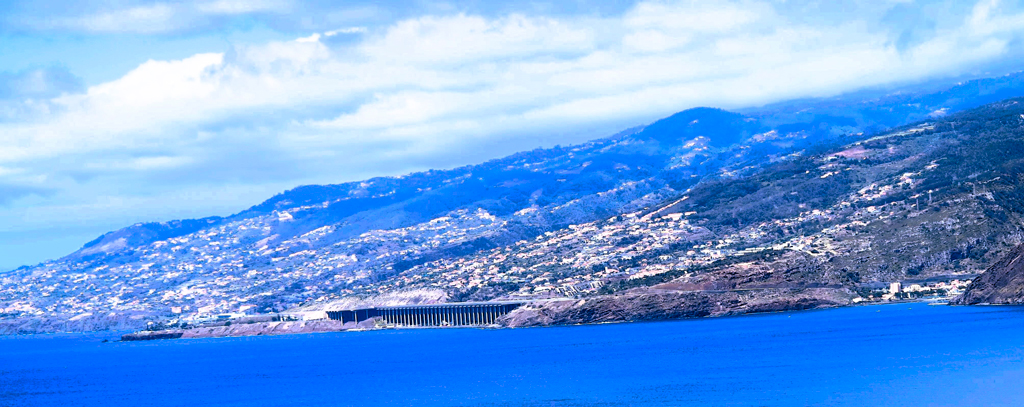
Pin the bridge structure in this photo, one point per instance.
(448, 314)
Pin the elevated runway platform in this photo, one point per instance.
(449, 314)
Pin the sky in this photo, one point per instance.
(117, 112)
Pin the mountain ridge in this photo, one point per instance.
(733, 127)
(665, 207)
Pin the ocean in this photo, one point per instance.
(901, 354)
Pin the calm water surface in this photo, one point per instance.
(906, 354)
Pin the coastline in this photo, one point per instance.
(635, 306)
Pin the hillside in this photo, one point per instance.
(935, 201)
(1003, 283)
(756, 212)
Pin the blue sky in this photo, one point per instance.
(116, 112)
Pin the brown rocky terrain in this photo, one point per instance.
(252, 329)
(656, 305)
(1003, 283)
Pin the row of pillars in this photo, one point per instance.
(449, 315)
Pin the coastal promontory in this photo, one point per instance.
(1003, 283)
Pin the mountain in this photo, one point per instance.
(935, 201)
(1003, 283)
(815, 120)
(755, 211)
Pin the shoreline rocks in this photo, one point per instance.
(150, 335)
(1003, 283)
(660, 305)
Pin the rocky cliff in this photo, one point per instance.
(658, 305)
(1003, 283)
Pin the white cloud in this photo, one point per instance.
(143, 19)
(346, 30)
(243, 6)
(439, 70)
(155, 18)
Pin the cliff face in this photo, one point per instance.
(1003, 283)
(656, 305)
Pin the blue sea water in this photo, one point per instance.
(903, 354)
